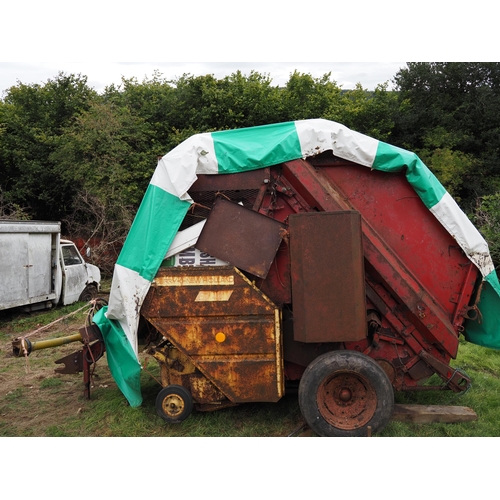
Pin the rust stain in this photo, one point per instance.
(236, 344)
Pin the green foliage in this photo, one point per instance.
(307, 97)
(463, 100)
(451, 166)
(103, 152)
(486, 217)
(68, 153)
(34, 117)
(371, 113)
(235, 101)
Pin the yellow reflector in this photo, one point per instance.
(220, 337)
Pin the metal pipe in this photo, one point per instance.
(21, 347)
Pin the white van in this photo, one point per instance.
(38, 269)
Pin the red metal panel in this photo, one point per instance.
(327, 275)
(428, 309)
(392, 208)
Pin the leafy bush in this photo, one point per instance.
(486, 217)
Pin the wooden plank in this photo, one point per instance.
(422, 414)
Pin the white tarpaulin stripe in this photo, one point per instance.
(176, 171)
(467, 236)
(320, 135)
(124, 301)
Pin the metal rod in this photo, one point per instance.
(21, 347)
(45, 344)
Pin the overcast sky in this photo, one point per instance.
(357, 35)
(101, 74)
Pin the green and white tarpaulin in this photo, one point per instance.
(167, 201)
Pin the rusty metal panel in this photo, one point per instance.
(327, 273)
(225, 325)
(242, 237)
(252, 179)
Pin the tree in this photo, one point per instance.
(486, 216)
(153, 101)
(463, 100)
(105, 155)
(371, 113)
(305, 97)
(33, 119)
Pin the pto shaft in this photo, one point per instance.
(22, 347)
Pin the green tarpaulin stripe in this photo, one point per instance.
(393, 159)
(252, 148)
(151, 236)
(484, 329)
(122, 361)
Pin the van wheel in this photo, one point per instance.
(89, 293)
(174, 404)
(343, 393)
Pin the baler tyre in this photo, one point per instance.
(174, 404)
(342, 393)
(89, 293)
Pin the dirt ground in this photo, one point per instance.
(33, 395)
(36, 401)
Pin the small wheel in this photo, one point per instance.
(174, 404)
(342, 393)
(89, 293)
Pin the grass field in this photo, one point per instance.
(36, 401)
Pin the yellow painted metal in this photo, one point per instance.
(23, 347)
(213, 295)
(46, 344)
(172, 405)
(235, 345)
(193, 280)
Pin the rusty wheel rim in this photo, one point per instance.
(347, 400)
(173, 405)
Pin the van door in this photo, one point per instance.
(40, 266)
(74, 273)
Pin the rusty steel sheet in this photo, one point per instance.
(242, 237)
(230, 331)
(327, 273)
(252, 179)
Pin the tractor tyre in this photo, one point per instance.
(345, 393)
(174, 404)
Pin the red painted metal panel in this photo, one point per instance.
(393, 209)
(353, 187)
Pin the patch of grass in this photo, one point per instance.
(50, 382)
(13, 395)
(36, 402)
